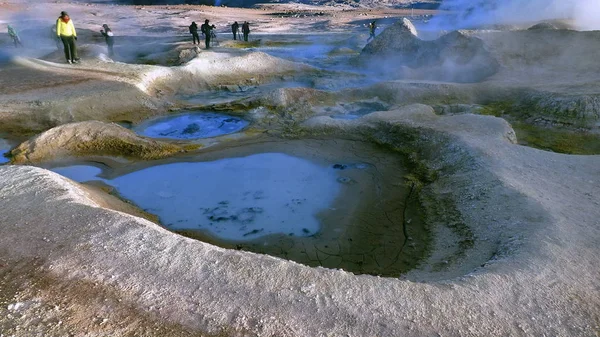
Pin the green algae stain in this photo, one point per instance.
(496, 109)
(557, 139)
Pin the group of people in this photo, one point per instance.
(235, 29)
(64, 33)
(207, 31)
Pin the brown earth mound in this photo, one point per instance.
(91, 138)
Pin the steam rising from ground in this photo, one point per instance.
(469, 13)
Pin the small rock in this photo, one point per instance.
(346, 180)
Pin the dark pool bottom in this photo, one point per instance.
(373, 227)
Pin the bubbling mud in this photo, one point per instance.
(191, 126)
(235, 198)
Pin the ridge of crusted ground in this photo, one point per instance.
(138, 274)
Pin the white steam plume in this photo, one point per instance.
(470, 14)
(587, 15)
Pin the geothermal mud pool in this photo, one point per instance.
(4, 149)
(331, 203)
(191, 126)
(310, 52)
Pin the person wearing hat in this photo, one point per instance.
(108, 36)
(65, 30)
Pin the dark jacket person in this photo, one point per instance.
(246, 30)
(109, 37)
(194, 32)
(234, 29)
(372, 28)
(207, 31)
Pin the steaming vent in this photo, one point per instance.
(454, 57)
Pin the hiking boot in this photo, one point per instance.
(69, 61)
(75, 61)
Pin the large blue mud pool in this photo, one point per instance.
(191, 126)
(335, 204)
(233, 199)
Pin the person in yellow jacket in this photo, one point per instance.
(65, 30)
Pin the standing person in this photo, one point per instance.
(235, 29)
(13, 35)
(109, 37)
(194, 32)
(246, 30)
(206, 29)
(66, 31)
(372, 28)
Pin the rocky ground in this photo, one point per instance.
(515, 229)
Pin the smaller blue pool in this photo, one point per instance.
(191, 126)
(4, 149)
